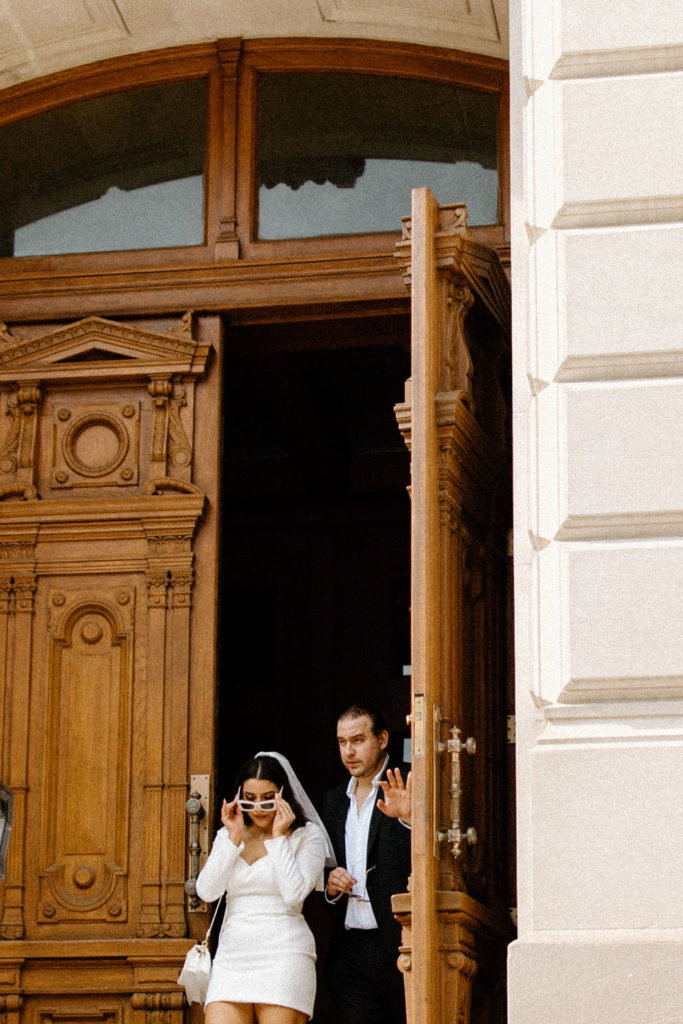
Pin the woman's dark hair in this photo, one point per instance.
(269, 768)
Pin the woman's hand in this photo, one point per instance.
(231, 816)
(284, 816)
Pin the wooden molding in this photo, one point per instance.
(95, 349)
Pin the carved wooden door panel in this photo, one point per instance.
(107, 684)
(455, 420)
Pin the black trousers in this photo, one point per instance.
(365, 985)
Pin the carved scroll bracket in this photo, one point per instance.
(171, 449)
(18, 449)
(456, 300)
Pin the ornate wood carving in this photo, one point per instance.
(17, 452)
(10, 1009)
(471, 953)
(170, 445)
(96, 445)
(158, 1007)
(112, 442)
(96, 983)
(95, 618)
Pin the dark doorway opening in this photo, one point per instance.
(315, 561)
(315, 548)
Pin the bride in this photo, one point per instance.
(267, 858)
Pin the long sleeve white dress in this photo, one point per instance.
(266, 951)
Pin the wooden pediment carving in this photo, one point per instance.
(99, 349)
(98, 404)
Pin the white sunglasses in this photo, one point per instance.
(253, 805)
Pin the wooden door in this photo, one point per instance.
(108, 488)
(455, 420)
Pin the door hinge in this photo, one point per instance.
(512, 728)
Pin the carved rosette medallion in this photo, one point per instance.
(96, 445)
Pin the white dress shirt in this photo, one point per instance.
(359, 912)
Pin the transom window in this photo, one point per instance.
(124, 171)
(225, 173)
(339, 154)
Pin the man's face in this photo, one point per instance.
(361, 751)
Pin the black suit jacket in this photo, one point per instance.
(388, 850)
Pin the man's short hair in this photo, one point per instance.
(358, 710)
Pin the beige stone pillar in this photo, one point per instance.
(597, 104)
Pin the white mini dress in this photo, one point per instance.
(266, 951)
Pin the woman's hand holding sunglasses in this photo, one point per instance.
(284, 816)
(231, 816)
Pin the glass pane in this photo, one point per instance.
(339, 154)
(117, 172)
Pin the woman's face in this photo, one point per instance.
(255, 792)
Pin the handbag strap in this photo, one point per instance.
(208, 932)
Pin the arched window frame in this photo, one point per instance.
(361, 57)
(233, 268)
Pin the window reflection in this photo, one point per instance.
(120, 220)
(339, 154)
(118, 172)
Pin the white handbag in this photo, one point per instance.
(196, 970)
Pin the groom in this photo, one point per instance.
(368, 819)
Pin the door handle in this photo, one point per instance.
(454, 835)
(198, 833)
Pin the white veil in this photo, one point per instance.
(306, 805)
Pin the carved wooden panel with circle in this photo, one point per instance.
(96, 445)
